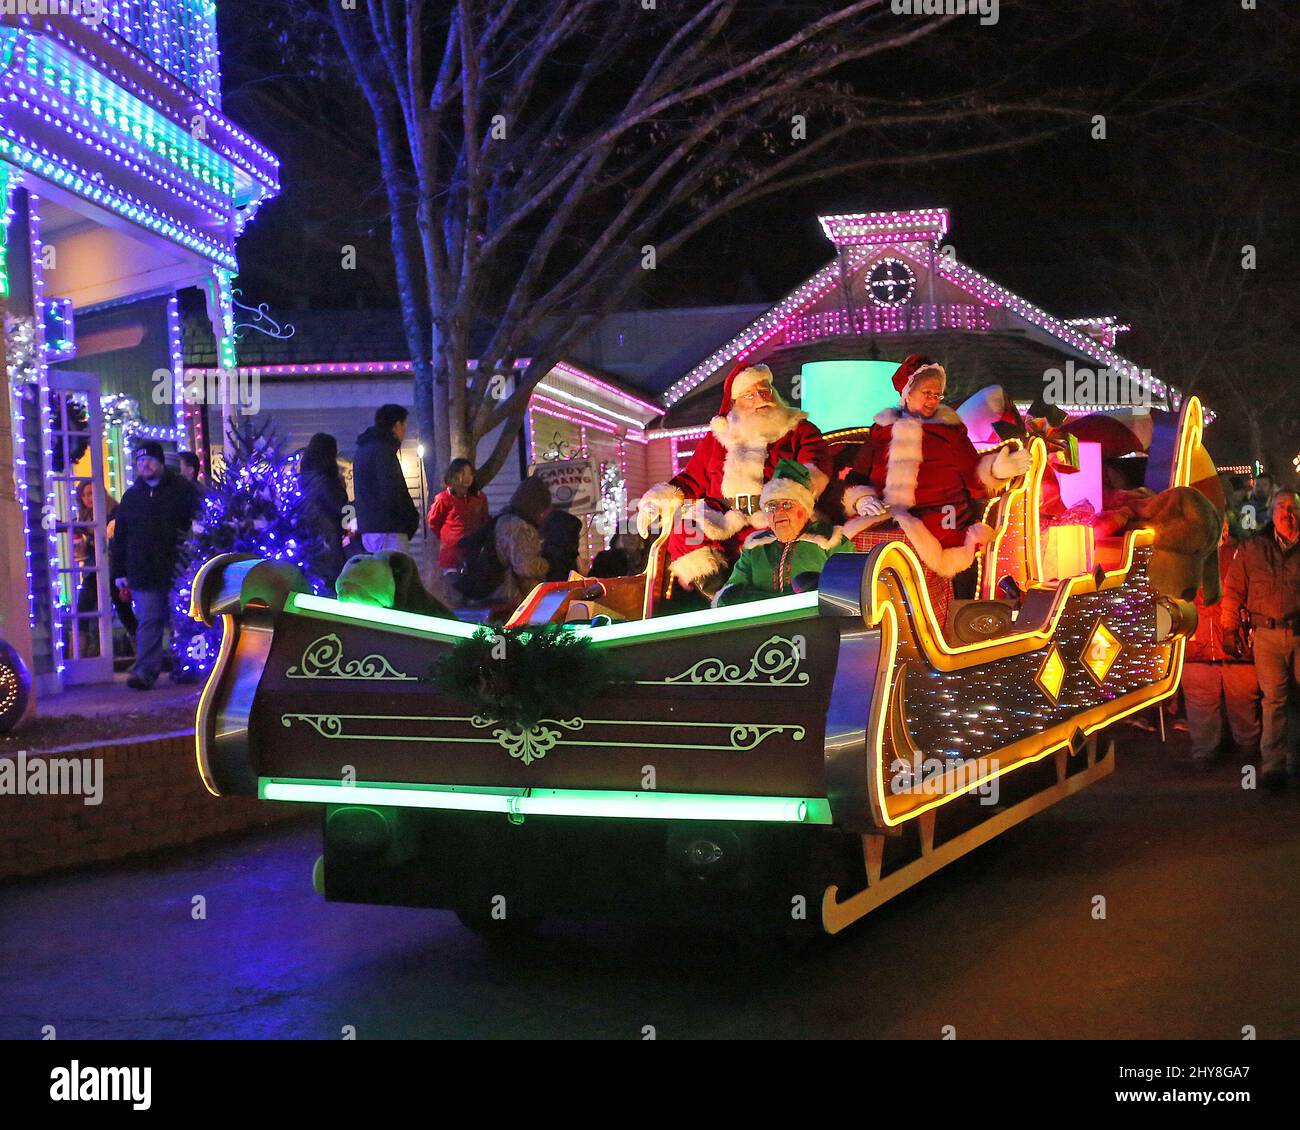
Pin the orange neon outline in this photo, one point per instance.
(1029, 495)
(881, 613)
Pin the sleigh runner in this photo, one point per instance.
(803, 758)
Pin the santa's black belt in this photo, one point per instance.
(1286, 623)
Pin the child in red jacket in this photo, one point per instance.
(456, 513)
(920, 469)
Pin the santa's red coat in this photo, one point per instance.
(705, 475)
(726, 464)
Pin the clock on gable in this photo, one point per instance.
(890, 282)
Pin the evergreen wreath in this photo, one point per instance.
(518, 676)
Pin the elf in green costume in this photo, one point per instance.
(787, 556)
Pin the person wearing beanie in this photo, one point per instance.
(719, 489)
(788, 555)
(518, 540)
(919, 469)
(151, 523)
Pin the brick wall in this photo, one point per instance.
(152, 798)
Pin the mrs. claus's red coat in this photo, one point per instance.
(933, 480)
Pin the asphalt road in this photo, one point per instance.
(1201, 881)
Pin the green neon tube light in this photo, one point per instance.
(555, 802)
(775, 610)
(355, 613)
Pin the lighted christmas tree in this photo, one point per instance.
(252, 505)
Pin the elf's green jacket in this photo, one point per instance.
(768, 566)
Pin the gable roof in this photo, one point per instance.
(862, 240)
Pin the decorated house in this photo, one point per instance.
(125, 189)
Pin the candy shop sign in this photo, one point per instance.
(574, 484)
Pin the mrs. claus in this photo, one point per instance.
(919, 468)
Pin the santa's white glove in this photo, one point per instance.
(869, 506)
(1010, 463)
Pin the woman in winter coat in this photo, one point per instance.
(323, 498)
(518, 541)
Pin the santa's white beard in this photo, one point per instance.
(759, 428)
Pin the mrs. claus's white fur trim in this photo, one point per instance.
(853, 495)
(905, 442)
(904, 464)
(946, 561)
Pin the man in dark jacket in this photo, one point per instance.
(1212, 678)
(1265, 581)
(153, 520)
(386, 517)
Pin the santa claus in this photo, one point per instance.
(919, 468)
(718, 490)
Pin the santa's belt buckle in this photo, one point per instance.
(746, 503)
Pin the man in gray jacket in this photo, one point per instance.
(1264, 580)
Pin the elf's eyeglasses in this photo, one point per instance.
(782, 504)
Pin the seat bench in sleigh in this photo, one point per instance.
(796, 761)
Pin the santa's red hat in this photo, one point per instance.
(914, 367)
(739, 381)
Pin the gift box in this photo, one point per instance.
(1068, 551)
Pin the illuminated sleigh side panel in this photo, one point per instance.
(946, 719)
(956, 716)
(1084, 655)
(246, 595)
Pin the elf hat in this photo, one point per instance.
(913, 368)
(739, 381)
(791, 481)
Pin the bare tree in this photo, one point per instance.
(1202, 271)
(539, 157)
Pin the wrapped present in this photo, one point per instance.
(1068, 551)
